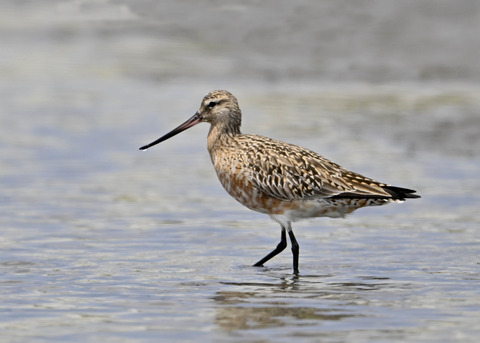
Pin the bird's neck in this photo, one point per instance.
(220, 135)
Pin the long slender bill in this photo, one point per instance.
(196, 119)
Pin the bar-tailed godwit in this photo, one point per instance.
(285, 181)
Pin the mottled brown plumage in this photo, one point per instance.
(283, 180)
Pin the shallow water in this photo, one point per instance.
(103, 242)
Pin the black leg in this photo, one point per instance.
(295, 250)
(280, 247)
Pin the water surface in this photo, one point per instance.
(102, 242)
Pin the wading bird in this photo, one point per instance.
(285, 181)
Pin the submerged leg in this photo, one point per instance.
(295, 249)
(280, 247)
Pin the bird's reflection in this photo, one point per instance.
(288, 299)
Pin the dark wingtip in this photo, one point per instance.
(401, 193)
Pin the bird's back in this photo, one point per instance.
(270, 175)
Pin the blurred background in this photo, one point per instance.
(100, 240)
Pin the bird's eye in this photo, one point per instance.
(211, 104)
